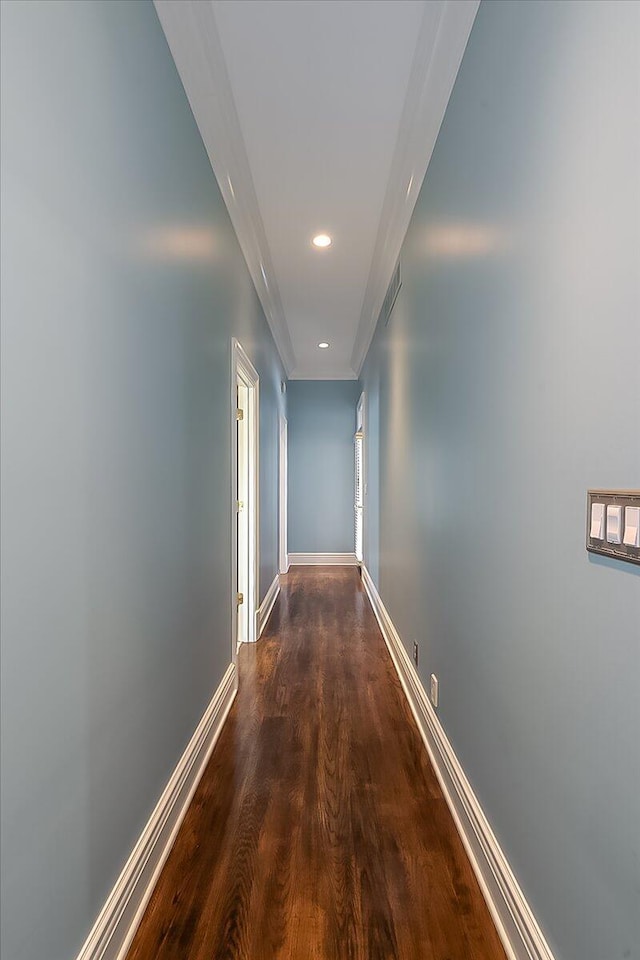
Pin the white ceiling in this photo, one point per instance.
(319, 116)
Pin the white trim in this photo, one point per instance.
(322, 559)
(517, 927)
(283, 486)
(243, 369)
(192, 35)
(445, 29)
(267, 605)
(118, 921)
(361, 408)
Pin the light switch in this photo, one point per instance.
(614, 523)
(632, 526)
(597, 521)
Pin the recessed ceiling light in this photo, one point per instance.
(323, 345)
(322, 240)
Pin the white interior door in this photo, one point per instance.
(359, 499)
(242, 512)
(245, 524)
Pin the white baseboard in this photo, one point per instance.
(322, 559)
(265, 608)
(516, 925)
(118, 921)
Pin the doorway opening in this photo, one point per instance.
(244, 493)
(283, 553)
(359, 481)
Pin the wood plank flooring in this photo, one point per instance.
(318, 831)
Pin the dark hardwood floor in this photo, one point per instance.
(318, 831)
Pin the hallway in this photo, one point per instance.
(318, 829)
(290, 286)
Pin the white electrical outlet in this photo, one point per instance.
(434, 690)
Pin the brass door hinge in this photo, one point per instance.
(239, 413)
(239, 505)
(239, 598)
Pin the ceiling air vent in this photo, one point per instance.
(391, 295)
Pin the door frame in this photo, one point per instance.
(361, 409)
(283, 468)
(242, 369)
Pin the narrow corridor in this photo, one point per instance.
(319, 830)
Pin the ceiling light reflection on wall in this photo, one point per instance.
(322, 240)
(461, 240)
(323, 345)
(178, 243)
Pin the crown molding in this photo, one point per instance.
(444, 32)
(191, 32)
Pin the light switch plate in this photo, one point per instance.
(616, 538)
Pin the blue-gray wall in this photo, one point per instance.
(322, 422)
(122, 284)
(508, 382)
